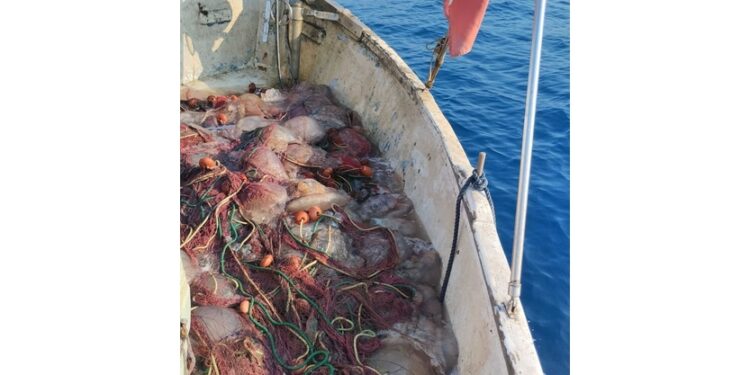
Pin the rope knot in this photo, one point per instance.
(478, 182)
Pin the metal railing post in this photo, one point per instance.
(526, 148)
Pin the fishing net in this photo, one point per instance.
(288, 274)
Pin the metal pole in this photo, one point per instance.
(526, 147)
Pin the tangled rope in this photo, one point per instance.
(348, 316)
(318, 305)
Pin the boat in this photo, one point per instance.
(227, 43)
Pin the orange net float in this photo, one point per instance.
(244, 306)
(294, 262)
(222, 119)
(314, 213)
(216, 101)
(266, 261)
(301, 217)
(365, 171)
(328, 172)
(192, 103)
(207, 163)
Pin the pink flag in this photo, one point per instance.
(464, 18)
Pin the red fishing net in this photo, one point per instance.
(269, 297)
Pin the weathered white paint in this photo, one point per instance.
(219, 36)
(401, 116)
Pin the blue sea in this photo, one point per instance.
(483, 96)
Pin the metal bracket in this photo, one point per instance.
(514, 290)
(438, 56)
(330, 16)
(211, 17)
(313, 33)
(510, 307)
